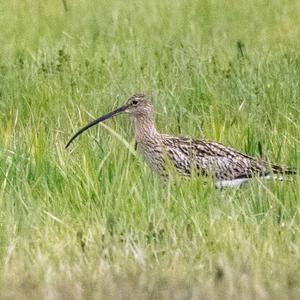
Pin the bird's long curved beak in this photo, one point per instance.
(101, 119)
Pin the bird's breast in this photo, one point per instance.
(152, 154)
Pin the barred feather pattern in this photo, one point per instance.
(203, 157)
(188, 155)
(223, 162)
(228, 166)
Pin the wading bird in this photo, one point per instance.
(228, 166)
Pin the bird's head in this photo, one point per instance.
(138, 105)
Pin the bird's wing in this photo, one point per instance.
(226, 162)
(212, 158)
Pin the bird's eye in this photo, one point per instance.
(134, 102)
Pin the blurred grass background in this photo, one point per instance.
(94, 222)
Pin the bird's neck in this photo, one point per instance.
(144, 128)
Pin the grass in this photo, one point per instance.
(95, 222)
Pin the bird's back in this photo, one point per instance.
(207, 157)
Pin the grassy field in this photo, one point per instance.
(94, 222)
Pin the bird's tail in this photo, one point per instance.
(282, 170)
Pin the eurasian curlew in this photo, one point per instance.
(228, 166)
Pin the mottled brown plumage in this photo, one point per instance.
(161, 151)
